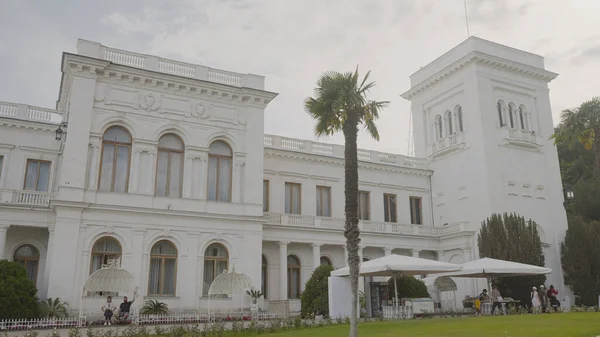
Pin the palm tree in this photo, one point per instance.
(153, 307)
(341, 104)
(582, 125)
(54, 308)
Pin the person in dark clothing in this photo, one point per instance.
(124, 309)
(552, 294)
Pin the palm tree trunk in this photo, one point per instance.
(597, 156)
(351, 209)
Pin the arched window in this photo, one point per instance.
(216, 261)
(459, 117)
(114, 165)
(163, 269)
(439, 134)
(219, 171)
(169, 170)
(511, 115)
(293, 267)
(264, 282)
(523, 118)
(450, 126)
(325, 261)
(104, 249)
(28, 257)
(499, 106)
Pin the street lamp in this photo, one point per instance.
(59, 134)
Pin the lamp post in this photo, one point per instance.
(60, 134)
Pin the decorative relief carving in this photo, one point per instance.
(149, 102)
(200, 110)
(109, 229)
(166, 233)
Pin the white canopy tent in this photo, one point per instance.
(399, 265)
(110, 278)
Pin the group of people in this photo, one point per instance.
(541, 299)
(109, 309)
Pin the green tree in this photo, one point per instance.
(154, 307)
(510, 237)
(580, 262)
(17, 292)
(408, 287)
(54, 308)
(582, 125)
(315, 298)
(341, 104)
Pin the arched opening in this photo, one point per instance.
(459, 117)
(450, 126)
(169, 169)
(523, 118)
(163, 269)
(28, 257)
(512, 115)
(293, 268)
(439, 129)
(325, 261)
(104, 249)
(216, 261)
(220, 159)
(500, 107)
(115, 160)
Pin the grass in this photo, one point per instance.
(565, 324)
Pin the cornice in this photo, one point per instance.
(28, 125)
(480, 58)
(7, 146)
(39, 149)
(340, 162)
(171, 83)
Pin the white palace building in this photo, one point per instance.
(166, 166)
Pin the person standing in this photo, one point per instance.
(543, 297)
(535, 300)
(496, 298)
(552, 297)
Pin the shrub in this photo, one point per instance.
(54, 308)
(17, 291)
(315, 298)
(153, 307)
(408, 287)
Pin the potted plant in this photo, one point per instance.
(255, 294)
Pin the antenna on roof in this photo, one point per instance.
(467, 19)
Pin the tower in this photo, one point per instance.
(481, 114)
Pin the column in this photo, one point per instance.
(195, 178)
(238, 181)
(203, 177)
(360, 253)
(93, 177)
(187, 177)
(316, 255)
(345, 256)
(137, 251)
(135, 172)
(49, 253)
(150, 167)
(283, 281)
(63, 261)
(387, 251)
(415, 252)
(440, 255)
(3, 230)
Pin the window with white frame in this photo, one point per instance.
(364, 205)
(220, 162)
(449, 121)
(37, 175)
(163, 269)
(1, 166)
(323, 201)
(439, 127)
(293, 194)
(116, 158)
(523, 117)
(500, 108)
(459, 118)
(169, 169)
(265, 195)
(293, 268)
(216, 261)
(389, 207)
(28, 257)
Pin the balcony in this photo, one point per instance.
(25, 198)
(520, 137)
(154, 63)
(337, 151)
(29, 113)
(365, 226)
(448, 144)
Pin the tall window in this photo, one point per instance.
(364, 205)
(416, 216)
(37, 175)
(104, 249)
(293, 205)
(325, 261)
(293, 267)
(450, 126)
(511, 116)
(219, 171)
(264, 281)
(459, 116)
(116, 155)
(265, 196)
(499, 107)
(439, 134)
(216, 260)
(323, 201)
(523, 118)
(389, 207)
(28, 257)
(163, 269)
(169, 170)
(1, 165)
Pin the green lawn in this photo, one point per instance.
(565, 324)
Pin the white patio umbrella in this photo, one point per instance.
(229, 282)
(398, 265)
(110, 278)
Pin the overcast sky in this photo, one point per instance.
(292, 42)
